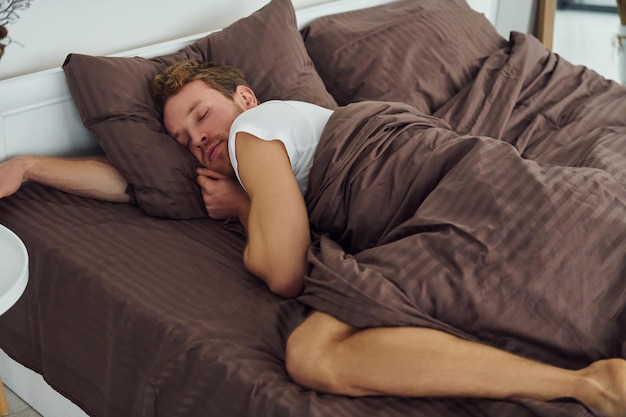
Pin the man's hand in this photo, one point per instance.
(223, 196)
(11, 176)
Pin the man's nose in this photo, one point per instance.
(201, 140)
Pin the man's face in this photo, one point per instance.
(199, 118)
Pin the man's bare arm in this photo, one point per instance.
(92, 177)
(277, 222)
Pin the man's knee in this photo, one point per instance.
(305, 363)
(310, 353)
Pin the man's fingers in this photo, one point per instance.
(206, 183)
(201, 179)
(207, 172)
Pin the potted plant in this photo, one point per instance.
(8, 15)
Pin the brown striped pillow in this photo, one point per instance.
(420, 52)
(114, 100)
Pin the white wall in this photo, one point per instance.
(518, 15)
(488, 7)
(50, 29)
(508, 15)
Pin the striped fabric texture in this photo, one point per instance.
(512, 232)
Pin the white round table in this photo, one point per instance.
(13, 268)
(13, 279)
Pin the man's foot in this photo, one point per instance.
(604, 389)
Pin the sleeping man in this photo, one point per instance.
(256, 160)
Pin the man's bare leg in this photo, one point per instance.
(609, 376)
(327, 355)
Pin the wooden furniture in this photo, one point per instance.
(13, 279)
(4, 406)
(544, 26)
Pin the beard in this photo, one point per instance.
(223, 165)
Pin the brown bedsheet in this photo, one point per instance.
(129, 315)
(517, 240)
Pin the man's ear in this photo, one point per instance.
(245, 97)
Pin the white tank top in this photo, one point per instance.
(298, 125)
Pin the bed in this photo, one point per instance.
(147, 310)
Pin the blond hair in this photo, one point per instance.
(172, 79)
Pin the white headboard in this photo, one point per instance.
(38, 116)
